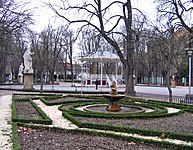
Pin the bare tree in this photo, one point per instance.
(40, 57)
(18, 50)
(169, 50)
(50, 47)
(147, 58)
(177, 12)
(70, 40)
(89, 42)
(96, 14)
(14, 17)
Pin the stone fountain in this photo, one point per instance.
(114, 99)
(113, 106)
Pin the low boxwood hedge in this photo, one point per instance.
(47, 100)
(159, 111)
(44, 118)
(36, 96)
(92, 132)
(172, 135)
(15, 138)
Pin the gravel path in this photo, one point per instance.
(56, 116)
(59, 121)
(47, 139)
(5, 122)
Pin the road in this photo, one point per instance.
(178, 91)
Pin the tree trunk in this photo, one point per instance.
(169, 88)
(165, 82)
(129, 82)
(169, 81)
(70, 57)
(41, 77)
(1, 75)
(65, 69)
(148, 80)
(52, 76)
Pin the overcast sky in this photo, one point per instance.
(44, 16)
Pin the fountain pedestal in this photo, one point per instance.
(113, 106)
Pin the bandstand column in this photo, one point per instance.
(101, 72)
(116, 70)
(86, 73)
(81, 76)
(121, 70)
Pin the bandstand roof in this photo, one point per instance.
(101, 56)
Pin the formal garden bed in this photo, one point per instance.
(156, 123)
(46, 138)
(25, 110)
(59, 99)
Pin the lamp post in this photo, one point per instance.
(190, 68)
(190, 51)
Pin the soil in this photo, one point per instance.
(26, 96)
(70, 98)
(42, 139)
(26, 110)
(182, 123)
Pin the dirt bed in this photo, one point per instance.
(182, 123)
(70, 98)
(63, 140)
(26, 110)
(43, 139)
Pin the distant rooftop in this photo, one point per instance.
(103, 56)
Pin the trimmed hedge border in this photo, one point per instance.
(47, 100)
(104, 134)
(86, 96)
(31, 94)
(161, 113)
(172, 135)
(15, 137)
(45, 119)
(184, 107)
(72, 111)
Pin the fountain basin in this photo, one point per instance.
(113, 102)
(124, 108)
(114, 97)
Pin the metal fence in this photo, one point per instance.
(165, 98)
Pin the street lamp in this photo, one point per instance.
(190, 68)
(190, 51)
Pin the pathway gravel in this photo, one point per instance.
(58, 121)
(5, 122)
(56, 116)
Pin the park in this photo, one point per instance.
(94, 78)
